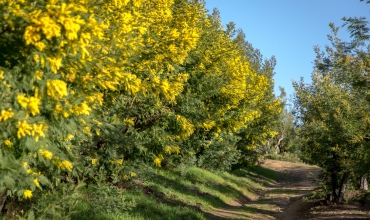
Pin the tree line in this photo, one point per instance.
(99, 91)
(332, 112)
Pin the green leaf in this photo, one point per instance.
(30, 215)
(8, 181)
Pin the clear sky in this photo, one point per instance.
(288, 29)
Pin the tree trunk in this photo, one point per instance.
(363, 183)
(334, 176)
(343, 185)
(3, 196)
(334, 183)
(267, 147)
(277, 146)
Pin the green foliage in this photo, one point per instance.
(220, 155)
(286, 156)
(57, 203)
(102, 198)
(100, 90)
(265, 125)
(322, 190)
(333, 125)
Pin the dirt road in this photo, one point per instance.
(284, 199)
(293, 185)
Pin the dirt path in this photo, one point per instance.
(294, 182)
(283, 200)
(293, 185)
(280, 201)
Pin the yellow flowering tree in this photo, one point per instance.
(225, 98)
(267, 105)
(178, 109)
(92, 89)
(140, 107)
(43, 45)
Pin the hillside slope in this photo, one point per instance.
(273, 190)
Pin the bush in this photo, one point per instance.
(57, 202)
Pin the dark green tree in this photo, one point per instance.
(333, 109)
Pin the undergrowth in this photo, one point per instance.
(286, 156)
(159, 194)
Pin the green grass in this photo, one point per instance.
(165, 194)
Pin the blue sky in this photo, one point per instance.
(288, 29)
